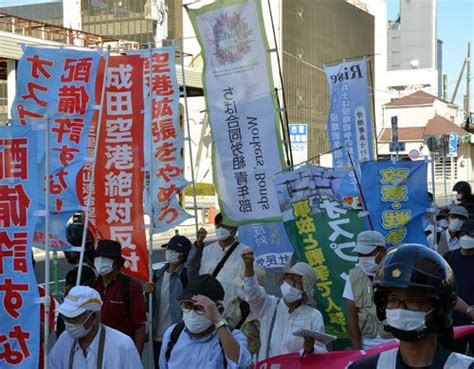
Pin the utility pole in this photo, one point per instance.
(467, 105)
(445, 86)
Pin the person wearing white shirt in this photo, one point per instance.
(86, 343)
(280, 318)
(211, 257)
(449, 239)
(365, 330)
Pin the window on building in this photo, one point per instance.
(450, 170)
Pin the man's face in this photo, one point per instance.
(86, 319)
(379, 253)
(409, 300)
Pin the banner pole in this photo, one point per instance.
(374, 125)
(283, 94)
(46, 249)
(94, 160)
(191, 162)
(152, 213)
(433, 189)
(364, 204)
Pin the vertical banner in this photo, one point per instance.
(349, 122)
(119, 181)
(162, 127)
(242, 109)
(323, 233)
(396, 195)
(19, 183)
(269, 241)
(59, 84)
(299, 142)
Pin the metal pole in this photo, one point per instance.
(444, 180)
(152, 215)
(445, 87)
(46, 250)
(91, 184)
(191, 162)
(373, 109)
(283, 94)
(360, 190)
(467, 110)
(433, 189)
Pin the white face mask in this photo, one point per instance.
(455, 224)
(77, 330)
(406, 320)
(103, 265)
(223, 233)
(466, 242)
(368, 264)
(290, 294)
(194, 322)
(459, 196)
(171, 256)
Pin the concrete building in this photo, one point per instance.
(414, 51)
(421, 115)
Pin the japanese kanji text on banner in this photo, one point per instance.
(323, 234)
(242, 109)
(396, 195)
(349, 123)
(19, 329)
(119, 188)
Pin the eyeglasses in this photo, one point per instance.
(411, 303)
(188, 306)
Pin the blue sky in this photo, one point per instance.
(455, 29)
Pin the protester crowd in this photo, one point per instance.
(211, 309)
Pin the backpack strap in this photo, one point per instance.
(224, 259)
(175, 333)
(125, 290)
(272, 325)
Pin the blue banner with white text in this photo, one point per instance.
(396, 195)
(349, 118)
(19, 324)
(58, 87)
(269, 242)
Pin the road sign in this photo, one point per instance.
(397, 146)
(299, 142)
(453, 144)
(414, 154)
(394, 122)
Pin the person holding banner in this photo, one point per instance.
(365, 329)
(414, 292)
(204, 339)
(449, 239)
(222, 258)
(88, 344)
(124, 303)
(168, 283)
(280, 319)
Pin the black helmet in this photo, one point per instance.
(417, 267)
(74, 233)
(462, 187)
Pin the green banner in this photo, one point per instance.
(323, 232)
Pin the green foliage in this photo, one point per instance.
(202, 189)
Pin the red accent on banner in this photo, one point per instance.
(338, 359)
(119, 177)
